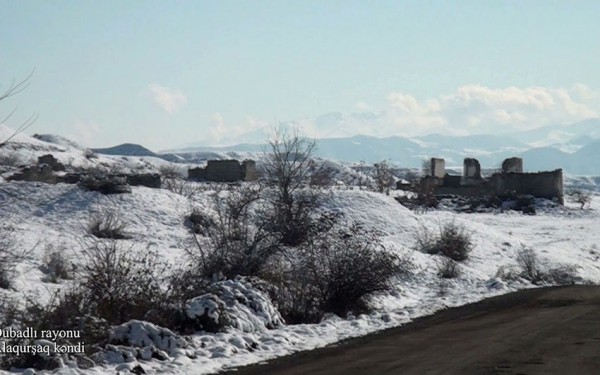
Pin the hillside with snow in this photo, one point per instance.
(40, 218)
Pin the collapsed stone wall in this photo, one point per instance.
(541, 184)
(510, 182)
(225, 171)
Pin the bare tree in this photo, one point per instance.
(383, 177)
(13, 89)
(581, 197)
(426, 167)
(287, 169)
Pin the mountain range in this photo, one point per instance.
(574, 147)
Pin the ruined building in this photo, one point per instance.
(509, 182)
(225, 171)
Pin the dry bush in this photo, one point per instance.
(448, 269)
(122, 283)
(107, 224)
(293, 220)
(67, 310)
(10, 160)
(287, 170)
(452, 241)
(530, 269)
(200, 222)
(174, 180)
(55, 264)
(104, 183)
(117, 284)
(528, 264)
(384, 178)
(235, 243)
(321, 176)
(337, 271)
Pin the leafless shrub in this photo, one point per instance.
(321, 176)
(584, 198)
(528, 264)
(56, 265)
(293, 220)
(426, 167)
(287, 171)
(107, 224)
(508, 273)
(121, 283)
(448, 268)
(200, 222)
(235, 244)
(452, 241)
(337, 271)
(68, 310)
(10, 160)
(530, 270)
(105, 184)
(174, 180)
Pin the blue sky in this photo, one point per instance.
(166, 73)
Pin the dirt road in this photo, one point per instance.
(541, 331)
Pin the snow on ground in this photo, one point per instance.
(57, 215)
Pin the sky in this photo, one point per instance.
(171, 73)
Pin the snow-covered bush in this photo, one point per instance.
(152, 340)
(234, 303)
(452, 241)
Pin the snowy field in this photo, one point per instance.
(56, 215)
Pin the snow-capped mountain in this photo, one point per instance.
(570, 147)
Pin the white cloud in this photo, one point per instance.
(170, 100)
(476, 108)
(362, 106)
(470, 109)
(85, 133)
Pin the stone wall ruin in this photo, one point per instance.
(510, 182)
(225, 171)
(438, 167)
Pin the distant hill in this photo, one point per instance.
(127, 149)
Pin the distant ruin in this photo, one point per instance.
(511, 181)
(225, 171)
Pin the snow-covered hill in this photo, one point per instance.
(43, 216)
(57, 214)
